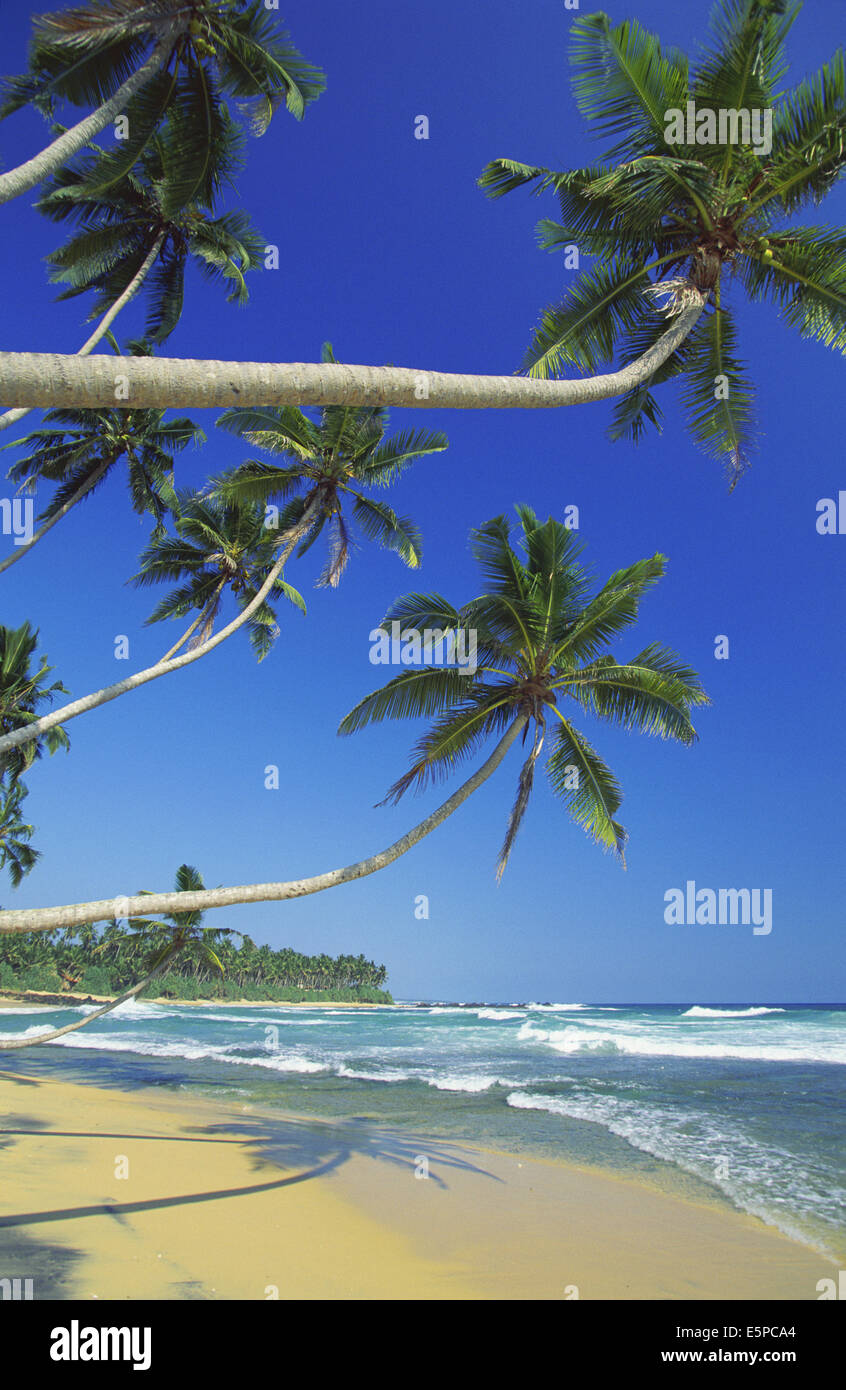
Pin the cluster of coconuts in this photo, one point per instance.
(199, 40)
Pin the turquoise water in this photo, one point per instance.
(744, 1104)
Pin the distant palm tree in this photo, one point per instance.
(337, 461)
(82, 451)
(180, 934)
(541, 638)
(675, 218)
(99, 55)
(218, 546)
(23, 690)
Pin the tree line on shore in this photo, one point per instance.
(104, 962)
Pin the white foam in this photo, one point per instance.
(575, 1039)
(695, 1142)
(389, 1074)
(499, 1014)
(16, 1009)
(557, 1008)
(699, 1011)
(188, 1051)
(472, 1084)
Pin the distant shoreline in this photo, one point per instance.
(9, 997)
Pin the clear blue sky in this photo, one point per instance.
(390, 250)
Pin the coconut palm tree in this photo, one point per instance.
(44, 379)
(218, 546)
(16, 853)
(338, 460)
(676, 212)
(699, 220)
(79, 448)
(541, 637)
(128, 241)
(181, 934)
(23, 690)
(665, 215)
(149, 58)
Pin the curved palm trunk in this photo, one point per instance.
(41, 379)
(48, 918)
(165, 666)
(28, 175)
(12, 1043)
(81, 492)
(103, 326)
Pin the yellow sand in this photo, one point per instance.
(237, 1203)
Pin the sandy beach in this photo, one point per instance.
(237, 1203)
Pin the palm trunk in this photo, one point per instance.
(45, 379)
(163, 667)
(103, 326)
(49, 918)
(81, 492)
(12, 1043)
(33, 172)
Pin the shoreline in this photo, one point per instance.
(228, 1201)
(8, 998)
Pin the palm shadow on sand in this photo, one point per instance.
(301, 1149)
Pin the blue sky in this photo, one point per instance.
(390, 250)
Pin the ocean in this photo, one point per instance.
(721, 1103)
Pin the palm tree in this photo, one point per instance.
(675, 218)
(339, 459)
(540, 642)
(149, 58)
(217, 546)
(541, 636)
(181, 934)
(132, 227)
(687, 212)
(86, 446)
(40, 379)
(23, 690)
(16, 853)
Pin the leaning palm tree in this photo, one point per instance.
(23, 690)
(79, 448)
(16, 853)
(179, 935)
(541, 638)
(149, 58)
(217, 546)
(685, 213)
(669, 216)
(133, 239)
(336, 461)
